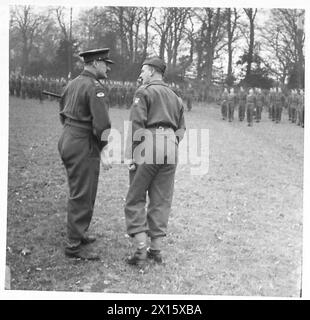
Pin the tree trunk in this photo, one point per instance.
(148, 13)
(162, 45)
(229, 43)
(300, 54)
(251, 15)
(169, 48)
(251, 50)
(199, 50)
(209, 66)
(122, 33)
(136, 41)
(25, 57)
(146, 31)
(131, 49)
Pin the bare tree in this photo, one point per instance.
(138, 21)
(210, 36)
(232, 17)
(27, 24)
(66, 29)
(125, 22)
(251, 14)
(60, 16)
(129, 15)
(132, 18)
(283, 41)
(175, 34)
(294, 37)
(162, 26)
(147, 13)
(117, 17)
(190, 37)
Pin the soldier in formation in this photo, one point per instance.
(242, 102)
(231, 102)
(119, 94)
(301, 108)
(250, 106)
(292, 106)
(188, 97)
(31, 87)
(224, 102)
(259, 104)
(268, 103)
(279, 101)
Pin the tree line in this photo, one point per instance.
(250, 46)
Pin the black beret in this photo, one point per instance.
(156, 62)
(96, 54)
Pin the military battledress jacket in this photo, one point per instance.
(84, 101)
(155, 105)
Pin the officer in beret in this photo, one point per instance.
(158, 111)
(84, 115)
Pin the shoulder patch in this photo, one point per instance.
(100, 94)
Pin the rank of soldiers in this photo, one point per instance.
(32, 87)
(250, 104)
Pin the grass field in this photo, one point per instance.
(235, 231)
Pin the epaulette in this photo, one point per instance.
(155, 83)
(142, 86)
(161, 84)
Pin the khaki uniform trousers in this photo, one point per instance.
(80, 154)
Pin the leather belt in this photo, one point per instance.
(160, 127)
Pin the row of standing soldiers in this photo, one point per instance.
(251, 104)
(31, 87)
(118, 93)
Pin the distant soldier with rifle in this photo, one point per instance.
(84, 115)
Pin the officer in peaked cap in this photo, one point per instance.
(85, 119)
(96, 54)
(159, 112)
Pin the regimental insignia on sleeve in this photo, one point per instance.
(136, 101)
(100, 94)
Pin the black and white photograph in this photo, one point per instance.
(155, 149)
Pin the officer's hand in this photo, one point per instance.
(106, 161)
(131, 165)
